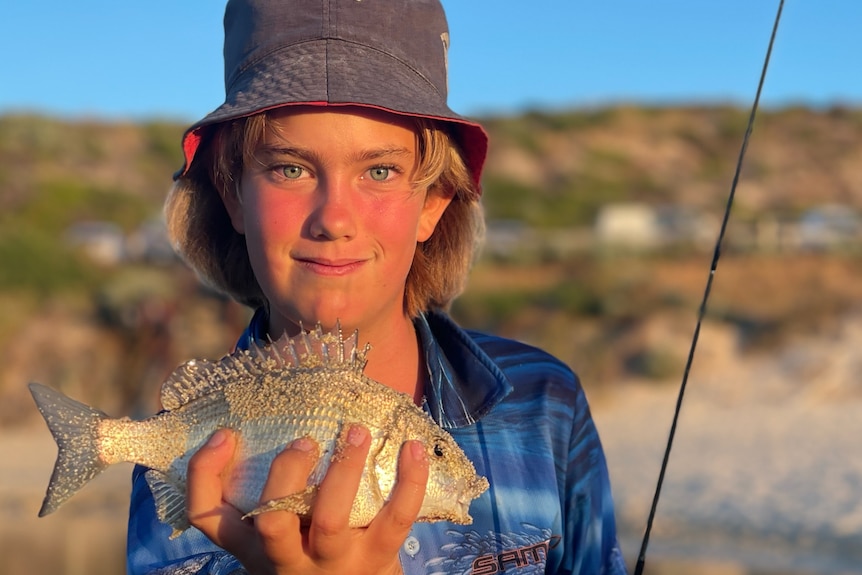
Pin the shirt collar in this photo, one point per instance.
(463, 382)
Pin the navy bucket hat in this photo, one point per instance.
(385, 54)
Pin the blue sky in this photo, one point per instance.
(162, 58)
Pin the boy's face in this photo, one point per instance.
(331, 218)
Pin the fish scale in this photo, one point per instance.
(312, 385)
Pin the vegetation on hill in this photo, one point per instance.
(547, 171)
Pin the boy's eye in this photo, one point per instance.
(379, 174)
(291, 172)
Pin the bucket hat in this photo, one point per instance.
(384, 54)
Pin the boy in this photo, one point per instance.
(335, 184)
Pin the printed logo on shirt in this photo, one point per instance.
(515, 559)
(524, 552)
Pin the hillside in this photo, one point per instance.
(110, 333)
(573, 162)
(567, 161)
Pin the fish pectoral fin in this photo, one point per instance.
(299, 503)
(170, 501)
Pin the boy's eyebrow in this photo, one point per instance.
(276, 150)
(385, 151)
(312, 156)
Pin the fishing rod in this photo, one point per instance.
(641, 561)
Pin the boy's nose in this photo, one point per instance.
(334, 214)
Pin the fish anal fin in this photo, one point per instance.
(170, 501)
(299, 503)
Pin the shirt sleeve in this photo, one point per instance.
(151, 551)
(590, 524)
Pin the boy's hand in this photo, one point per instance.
(275, 543)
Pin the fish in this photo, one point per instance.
(311, 385)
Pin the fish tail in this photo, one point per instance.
(75, 429)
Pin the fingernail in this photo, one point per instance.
(356, 435)
(302, 444)
(217, 438)
(417, 450)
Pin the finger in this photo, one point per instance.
(279, 531)
(205, 506)
(329, 523)
(393, 523)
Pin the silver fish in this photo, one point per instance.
(309, 386)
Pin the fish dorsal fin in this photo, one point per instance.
(316, 347)
(189, 381)
(309, 349)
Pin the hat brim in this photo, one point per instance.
(336, 72)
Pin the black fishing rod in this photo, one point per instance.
(702, 311)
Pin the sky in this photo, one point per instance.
(162, 58)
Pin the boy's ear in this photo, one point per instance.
(230, 198)
(435, 204)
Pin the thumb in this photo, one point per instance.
(205, 471)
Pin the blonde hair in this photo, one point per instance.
(201, 232)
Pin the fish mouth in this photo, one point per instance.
(464, 511)
(470, 490)
(477, 487)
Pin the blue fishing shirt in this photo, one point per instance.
(521, 417)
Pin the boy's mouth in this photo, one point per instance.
(332, 267)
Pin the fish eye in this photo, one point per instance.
(438, 451)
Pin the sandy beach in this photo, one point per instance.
(766, 469)
(87, 536)
(771, 488)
